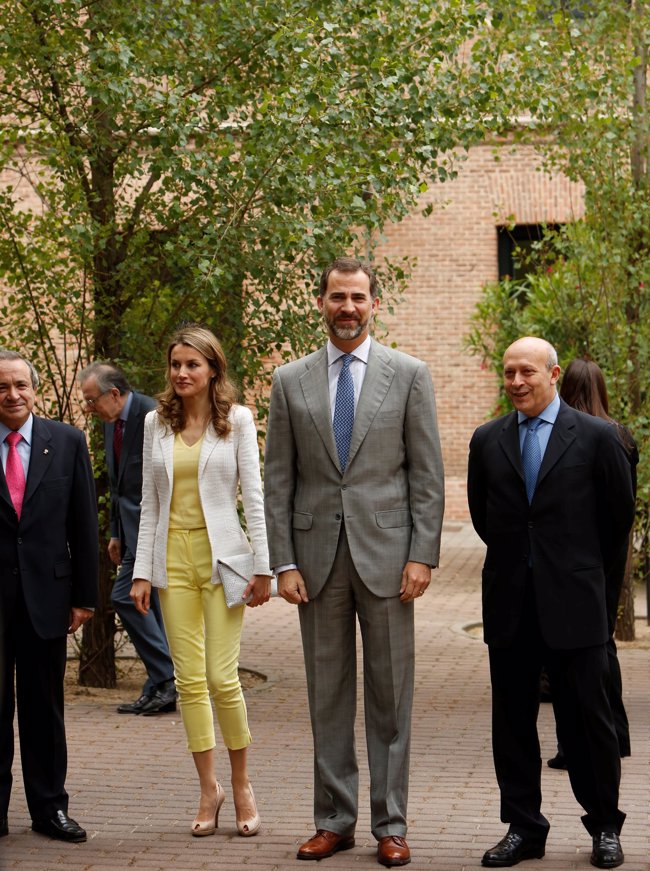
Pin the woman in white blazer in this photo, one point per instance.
(199, 445)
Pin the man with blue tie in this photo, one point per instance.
(354, 497)
(108, 394)
(550, 493)
(48, 589)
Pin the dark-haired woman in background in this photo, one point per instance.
(583, 387)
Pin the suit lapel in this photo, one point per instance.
(4, 490)
(167, 449)
(376, 383)
(210, 442)
(109, 429)
(561, 437)
(315, 389)
(509, 441)
(135, 414)
(41, 456)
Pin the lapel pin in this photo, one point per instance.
(46, 451)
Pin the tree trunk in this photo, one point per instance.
(625, 619)
(97, 653)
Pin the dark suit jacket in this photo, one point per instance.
(579, 518)
(126, 482)
(53, 550)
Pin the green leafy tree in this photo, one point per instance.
(577, 83)
(176, 159)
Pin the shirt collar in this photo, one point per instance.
(25, 430)
(548, 415)
(361, 352)
(124, 414)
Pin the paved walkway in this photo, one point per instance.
(133, 787)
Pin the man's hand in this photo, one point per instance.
(416, 577)
(78, 616)
(115, 551)
(141, 595)
(292, 587)
(260, 588)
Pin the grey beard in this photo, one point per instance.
(346, 334)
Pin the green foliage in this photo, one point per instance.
(180, 160)
(582, 304)
(575, 77)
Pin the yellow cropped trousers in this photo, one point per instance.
(204, 638)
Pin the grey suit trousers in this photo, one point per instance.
(328, 626)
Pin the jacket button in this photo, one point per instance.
(20, 541)
(531, 524)
(344, 487)
(338, 516)
(15, 572)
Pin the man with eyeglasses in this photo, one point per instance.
(107, 394)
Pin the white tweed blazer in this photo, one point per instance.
(223, 464)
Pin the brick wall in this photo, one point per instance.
(456, 251)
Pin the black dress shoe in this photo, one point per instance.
(4, 827)
(61, 827)
(557, 761)
(134, 707)
(162, 701)
(607, 852)
(511, 850)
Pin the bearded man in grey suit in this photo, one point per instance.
(354, 504)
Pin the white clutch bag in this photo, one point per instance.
(235, 572)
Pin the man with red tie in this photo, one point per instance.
(122, 411)
(48, 588)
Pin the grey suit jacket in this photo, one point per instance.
(126, 482)
(391, 495)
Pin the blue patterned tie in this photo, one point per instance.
(344, 411)
(531, 456)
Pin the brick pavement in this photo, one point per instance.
(132, 785)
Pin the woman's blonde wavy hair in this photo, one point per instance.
(223, 393)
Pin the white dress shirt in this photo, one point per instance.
(357, 369)
(334, 365)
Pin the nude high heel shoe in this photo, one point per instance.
(200, 828)
(251, 826)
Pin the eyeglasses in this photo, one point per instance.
(92, 402)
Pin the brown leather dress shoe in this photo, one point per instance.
(324, 844)
(393, 850)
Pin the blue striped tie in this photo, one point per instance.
(531, 456)
(344, 411)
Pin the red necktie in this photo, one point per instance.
(14, 472)
(118, 438)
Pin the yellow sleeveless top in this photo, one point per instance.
(185, 511)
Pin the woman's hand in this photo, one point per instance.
(141, 595)
(259, 587)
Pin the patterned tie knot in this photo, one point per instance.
(533, 423)
(13, 438)
(344, 411)
(347, 359)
